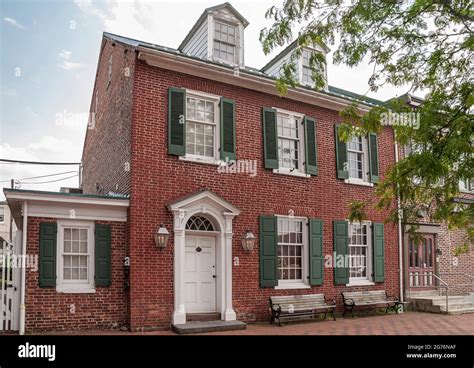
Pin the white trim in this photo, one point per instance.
(360, 283)
(368, 280)
(65, 286)
(296, 173)
(304, 283)
(219, 73)
(222, 214)
(215, 100)
(301, 171)
(360, 182)
(67, 199)
(292, 286)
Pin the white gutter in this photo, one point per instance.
(24, 234)
(400, 235)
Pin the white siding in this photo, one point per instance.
(275, 69)
(197, 45)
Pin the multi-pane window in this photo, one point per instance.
(200, 126)
(358, 251)
(306, 68)
(75, 254)
(289, 137)
(355, 151)
(290, 249)
(2, 214)
(225, 37)
(467, 185)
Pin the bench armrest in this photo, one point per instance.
(349, 301)
(392, 298)
(276, 307)
(330, 302)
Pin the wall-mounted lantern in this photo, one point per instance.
(161, 237)
(248, 241)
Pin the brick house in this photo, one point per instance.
(194, 139)
(433, 260)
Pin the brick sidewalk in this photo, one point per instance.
(410, 323)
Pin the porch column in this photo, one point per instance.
(229, 314)
(179, 314)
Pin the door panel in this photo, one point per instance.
(421, 263)
(199, 274)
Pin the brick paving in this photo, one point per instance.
(409, 323)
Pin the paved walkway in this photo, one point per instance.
(409, 323)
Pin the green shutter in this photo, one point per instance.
(311, 150)
(341, 250)
(379, 252)
(176, 121)
(316, 259)
(47, 254)
(268, 251)
(341, 155)
(270, 140)
(227, 108)
(373, 158)
(102, 255)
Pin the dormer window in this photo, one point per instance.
(225, 42)
(306, 68)
(218, 35)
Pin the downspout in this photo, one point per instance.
(23, 268)
(400, 235)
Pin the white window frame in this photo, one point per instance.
(365, 166)
(203, 159)
(467, 182)
(2, 219)
(304, 283)
(300, 66)
(301, 171)
(75, 286)
(212, 38)
(358, 281)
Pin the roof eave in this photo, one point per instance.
(221, 73)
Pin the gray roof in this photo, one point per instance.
(332, 91)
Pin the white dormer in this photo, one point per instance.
(303, 73)
(218, 35)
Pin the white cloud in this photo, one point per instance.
(65, 54)
(13, 22)
(66, 65)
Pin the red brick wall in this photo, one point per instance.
(157, 178)
(48, 310)
(106, 155)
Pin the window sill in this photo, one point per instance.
(293, 173)
(292, 286)
(360, 283)
(465, 191)
(68, 290)
(210, 161)
(359, 182)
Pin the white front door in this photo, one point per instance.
(199, 274)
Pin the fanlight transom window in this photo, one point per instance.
(199, 223)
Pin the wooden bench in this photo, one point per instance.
(288, 307)
(368, 299)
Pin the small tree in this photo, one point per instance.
(422, 45)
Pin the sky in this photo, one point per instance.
(48, 58)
